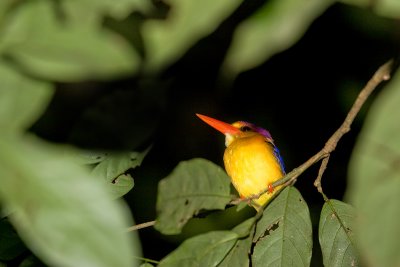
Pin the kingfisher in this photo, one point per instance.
(251, 159)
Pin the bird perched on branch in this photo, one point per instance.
(251, 159)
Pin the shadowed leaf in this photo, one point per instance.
(239, 254)
(284, 233)
(202, 250)
(274, 27)
(22, 100)
(61, 212)
(46, 48)
(387, 8)
(81, 10)
(113, 170)
(187, 22)
(193, 185)
(336, 234)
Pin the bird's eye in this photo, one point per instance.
(245, 128)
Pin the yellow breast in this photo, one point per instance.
(252, 165)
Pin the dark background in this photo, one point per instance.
(301, 96)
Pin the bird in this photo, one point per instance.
(251, 160)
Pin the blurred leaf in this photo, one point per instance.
(188, 21)
(4, 7)
(22, 100)
(374, 180)
(49, 49)
(90, 156)
(273, 28)
(203, 250)
(193, 185)
(387, 8)
(284, 232)
(146, 264)
(239, 254)
(79, 10)
(336, 234)
(60, 211)
(363, 3)
(113, 171)
(11, 245)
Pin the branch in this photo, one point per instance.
(382, 74)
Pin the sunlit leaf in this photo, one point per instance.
(202, 250)
(22, 99)
(193, 185)
(62, 213)
(277, 25)
(187, 22)
(336, 232)
(284, 233)
(374, 180)
(49, 49)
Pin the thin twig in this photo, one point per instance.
(317, 182)
(141, 226)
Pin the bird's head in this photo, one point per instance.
(239, 129)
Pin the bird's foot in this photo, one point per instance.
(270, 188)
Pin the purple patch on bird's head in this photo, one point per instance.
(245, 126)
(263, 132)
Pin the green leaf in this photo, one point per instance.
(193, 185)
(62, 213)
(336, 234)
(273, 28)
(245, 227)
(239, 254)
(284, 233)
(187, 22)
(79, 10)
(4, 7)
(112, 169)
(58, 51)
(90, 156)
(203, 250)
(374, 180)
(22, 100)
(387, 8)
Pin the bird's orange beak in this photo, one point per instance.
(221, 126)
